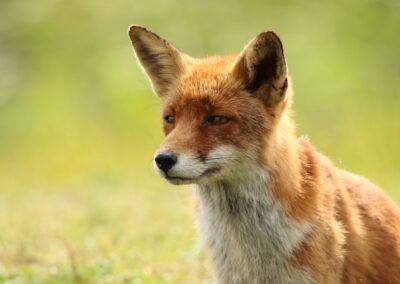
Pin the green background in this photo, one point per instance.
(79, 201)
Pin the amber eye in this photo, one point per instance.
(216, 120)
(169, 119)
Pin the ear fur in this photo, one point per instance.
(261, 67)
(162, 62)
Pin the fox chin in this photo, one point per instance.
(271, 209)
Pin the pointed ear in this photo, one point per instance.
(261, 67)
(162, 62)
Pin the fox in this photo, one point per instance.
(270, 208)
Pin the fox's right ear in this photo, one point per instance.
(162, 62)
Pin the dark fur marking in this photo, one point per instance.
(265, 70)
(230, 200)
(201, 156)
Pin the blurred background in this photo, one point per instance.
(79, 201)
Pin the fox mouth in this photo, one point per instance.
(182, 180)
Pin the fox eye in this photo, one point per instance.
(216, 120)
(169, 119)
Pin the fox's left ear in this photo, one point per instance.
(163, 63)
(261, 68)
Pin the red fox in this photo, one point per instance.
(271, 209)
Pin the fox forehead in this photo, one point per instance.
(207, 76)
(209, 94)
(207, 87)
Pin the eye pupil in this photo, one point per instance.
(216, 120)
(169, 119)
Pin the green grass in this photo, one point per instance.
(94, 236)
(79, 202)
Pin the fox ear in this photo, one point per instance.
(162, 62)
(261, 67)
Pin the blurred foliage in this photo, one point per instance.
(79, 124)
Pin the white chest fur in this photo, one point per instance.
(248, 236)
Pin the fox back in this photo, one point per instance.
(271, 209)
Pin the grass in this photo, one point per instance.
(98, 236)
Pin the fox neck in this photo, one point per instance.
(293, 167)
(246, 223)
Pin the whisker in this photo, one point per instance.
(219, 158)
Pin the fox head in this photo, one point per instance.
(221, 114)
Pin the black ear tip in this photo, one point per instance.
(136, 32)
(271, 34)
(270, 37)
(133, 30)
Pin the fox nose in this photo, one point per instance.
(166, 161)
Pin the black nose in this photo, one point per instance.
(165, 161)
